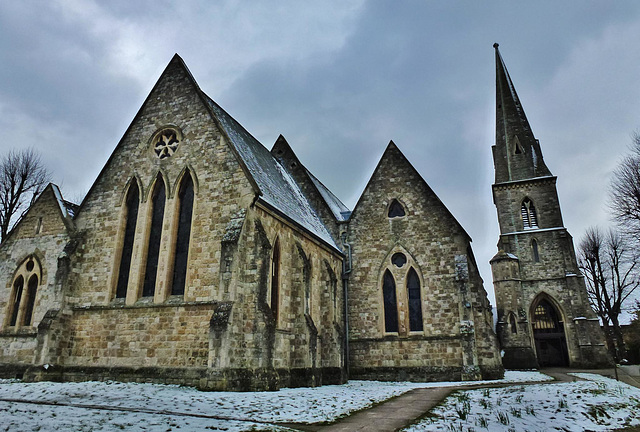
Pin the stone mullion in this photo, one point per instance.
(402, 299)
(167, 250)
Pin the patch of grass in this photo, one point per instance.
(562, 403)
(482, 422)
(463, 410)
(530, 410)
(503, 417)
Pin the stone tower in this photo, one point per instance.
(544, 317)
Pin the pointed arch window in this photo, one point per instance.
(529, 217)
(32, 290)
(155, 236)
(512, 323)
(185, 196)
(131, 217)
(415, 305)
(396, 209)
(23, 298)
(18, 286)
(535, 253)
(275, 280)
(390, 303)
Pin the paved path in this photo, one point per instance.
(405, 409)
(394, 414)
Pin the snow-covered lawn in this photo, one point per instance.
(598, 404)
(116, 406)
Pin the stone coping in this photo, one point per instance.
(413, 337)
(148, 305)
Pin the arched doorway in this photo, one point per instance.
(548, 333)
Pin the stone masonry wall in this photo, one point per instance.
(18, 344)
(431, 239)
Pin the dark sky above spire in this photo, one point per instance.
(339, 80)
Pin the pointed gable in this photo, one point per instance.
(396, 180)
(324, 201)
(277, 188)
(517, 154)
(269, 180)
(48, 215)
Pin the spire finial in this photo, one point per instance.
(496, 45)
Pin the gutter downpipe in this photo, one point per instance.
(346, 271)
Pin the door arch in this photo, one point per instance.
(549, 334)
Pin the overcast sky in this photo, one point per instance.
(339, 80)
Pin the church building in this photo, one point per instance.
(544, 316)
(199, 257)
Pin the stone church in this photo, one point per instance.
(199, 257)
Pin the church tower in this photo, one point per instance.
(544, 317)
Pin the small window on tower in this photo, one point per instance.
(529, 217)
(396, 209)
(518, 147)
(534, 250)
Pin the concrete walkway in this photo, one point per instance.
(403, 410)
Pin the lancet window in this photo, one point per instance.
(185, 212)
(535, 253)
(155, 236)
(390, 303)
(274, 295)
(415, 304)
(131, 218)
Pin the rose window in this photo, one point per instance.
(166, 143)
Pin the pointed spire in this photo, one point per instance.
(517, 154)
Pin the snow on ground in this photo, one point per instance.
(114, 406)
(598, 404)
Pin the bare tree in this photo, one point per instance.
(22, 178)
(610, 267)
(625, 190)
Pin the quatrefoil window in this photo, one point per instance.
(166, 143)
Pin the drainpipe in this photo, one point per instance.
(346, 271)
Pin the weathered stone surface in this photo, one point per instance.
(536, 262)
(438, 249)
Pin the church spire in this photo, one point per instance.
(516, 154)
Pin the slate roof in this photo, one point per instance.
(277, 188)
(339, 210)
(67, 208)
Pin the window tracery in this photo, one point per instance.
(23, 298)
(165, 143)
(401, 295)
